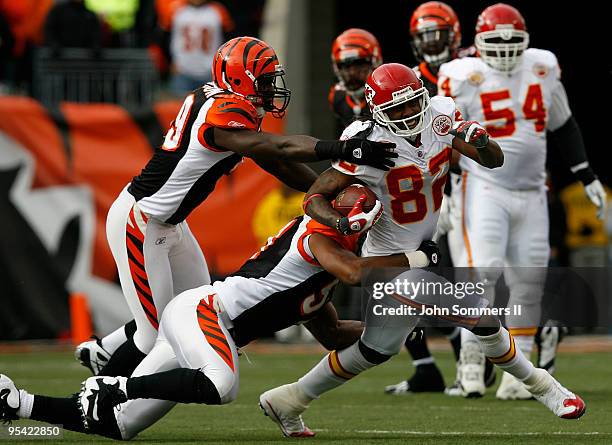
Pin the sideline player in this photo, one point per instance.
(411, 193)
(355, 54)
(195, 359)
(156, 254)
(516, 92)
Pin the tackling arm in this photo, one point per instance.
(345, 265)
(331, 332)
(302, 148)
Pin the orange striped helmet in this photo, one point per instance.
(249, 67)
(355, 54)
(436, 33)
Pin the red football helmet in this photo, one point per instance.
(501, 36)
(394, 85)
(436, 34)
(355, 53)
(249, 67)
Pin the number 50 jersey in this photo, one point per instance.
(516, 109)
(412, 191)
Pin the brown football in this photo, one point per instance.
(346, 198)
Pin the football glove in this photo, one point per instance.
(471, 132)
(358, 220)
(359, 151)
(427, 255)
(597, 195)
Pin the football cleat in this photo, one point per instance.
(92, 355)
(9, 400)
(471, 370)
(511, 388)
(426, 378)
(281, 404)
(97, 399)
(558, 399)
(547, 340)
(490, 376)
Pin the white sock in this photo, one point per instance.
(112, 341)
(336, 368)
(423, 361)
(26, 403)
(524, 343)
(501, 350)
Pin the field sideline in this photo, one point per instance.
(357, 413)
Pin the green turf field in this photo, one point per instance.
(357, 413)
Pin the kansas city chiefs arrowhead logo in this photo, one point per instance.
(441, 125)
(355, 226)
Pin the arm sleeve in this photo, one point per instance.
(569, 139)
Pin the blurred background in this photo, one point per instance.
(88, 88)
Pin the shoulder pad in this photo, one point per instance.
(358, 129)
(442, 105)
(461, 69)
(541, 61)
(232, 112)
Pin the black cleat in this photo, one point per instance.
(426, 378)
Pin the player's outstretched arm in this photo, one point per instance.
(331, 332)
(472, 140)
(345, 265)
(297, 176)
(302, 148)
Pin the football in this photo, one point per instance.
(345, 200)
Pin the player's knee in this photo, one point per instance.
(218, 386)
(372, 355)
(144, 337)
(487, 325)
(205, 390)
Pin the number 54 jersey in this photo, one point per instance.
(412, 191)
(516, 109)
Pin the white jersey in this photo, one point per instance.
(411, 192)
(197, 33)
(516, 109)
(282, 284)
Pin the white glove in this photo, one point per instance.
(358, 220)
(597, 195)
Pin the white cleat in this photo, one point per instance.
(511, 388)
(92, 355)
(9, 400)
(283, 406)
(471, 370)
(398, 389)
(546, 389)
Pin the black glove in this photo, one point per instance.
(359, 151)
(430, 249)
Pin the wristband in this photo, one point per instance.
(585, 175)
(310, 198)
(417, 259)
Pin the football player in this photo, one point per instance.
(355, 53)
(516, 92)
(436, 35)
(195, 359)
(156, 254)
(423, 129)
